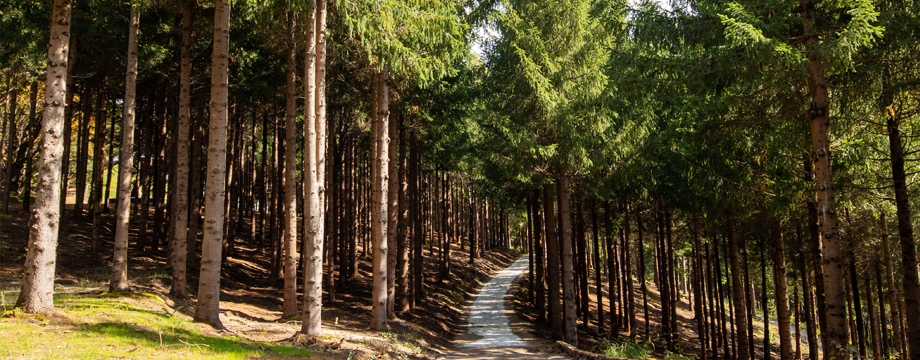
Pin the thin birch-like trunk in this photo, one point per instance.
(126, 162)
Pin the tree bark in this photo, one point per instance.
(597, 270)
(209, 280)
(568, 270)
(314, 162)
(781, 295)
(539, 251)
(892, 291)
(404, 224)
(819, 116)
(741, 319)
(11, 142)
(126, 164)
(98, 156)
(180, 207)
(289, 304)
(82, 151)
(37, 292)
(911, 281)
(379, 210)
(68, 120)
(392, 200)
(554, 268)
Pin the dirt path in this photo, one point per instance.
(490, 334)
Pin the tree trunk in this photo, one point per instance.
(11, 142)
(597, 270)
(819, 116)
(37, 292)
(126, 164)
(180, 207)
(68, 121)
(808, 306)
(911, 282)
(781, 295)
(640, 253)
(873, 321)
(857, 307)
(568, 270)
(194, 195)
(627, 259)
(404, 224)
(418, 272)
(553, 278)
(741, 320)
(82, 152)
(27, 187)
(380, 206)
(209, 280)
(314, 162)
(698, 291)
(892, 291)
(98, 156)
(392, 200)
(539, 251)
(289, 305)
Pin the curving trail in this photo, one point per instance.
(490, 335)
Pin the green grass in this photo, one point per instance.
(111, 326)
(625, 349)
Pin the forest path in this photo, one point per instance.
(490, 334)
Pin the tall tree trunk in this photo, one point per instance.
(392, 200)
(857, 307)
(819, 116)
(883, 317)
(582, 262)
(404, 225)
(27, 187)
(379, 210)
(126, 163)
(873, 321)
(418, 271)
(37, 292)
(892, 291)
(68, 120)
(539, 251)
(209, 280)
(781, 295)
(597, 270)
(180, 207)
(194, 195)
(98, 156)
(554, 268)
(109, 164)
(568, 270)
(289, 305)
(159, 175)
(11, 142)
(627, 259)
(737, 289)
(698, 293)
(82, 151)
(911, 282)
(640, 253)
(313, 169)
(810, 322)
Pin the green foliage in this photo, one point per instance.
(625, 349)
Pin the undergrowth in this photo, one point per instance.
(121, 326)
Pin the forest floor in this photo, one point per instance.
(91, 323)
(592, 339)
